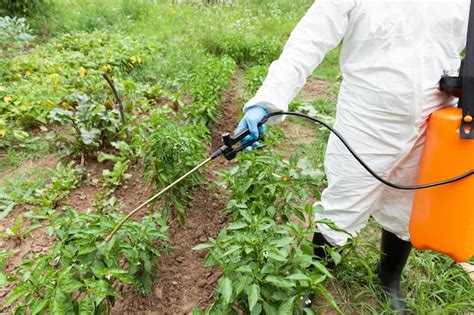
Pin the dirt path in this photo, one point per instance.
(183, 282)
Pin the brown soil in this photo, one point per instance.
(33, 243)
(297, 135)
(315, 88)
(183, 282)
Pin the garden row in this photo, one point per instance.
(80, 273)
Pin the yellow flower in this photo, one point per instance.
(54, 78)
(106, 68)
(49, 104)
(3, 132)
(27, 73)
(8, 99)
(136, 59)
(82, 71)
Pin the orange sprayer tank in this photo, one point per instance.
(443, 217)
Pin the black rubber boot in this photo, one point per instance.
(395, 253)
(320, 252)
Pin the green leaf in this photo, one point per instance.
(38, 305)
(3, 280)
(19, 291)
(309, 311)
(86, 250)
(246, 185)
(197, 311)
(280, 282)
(277, 257)
(286, 308)
(203, 246)
(226, 289)
(86, 306)
(237, 226)
(70, 286)
(244, 269)
(7, 210)
(256, 310)
(282, 242)
(328, 297)
(317, 279)
(90, 136)
(56, 305)
(241, 284)
(336, 257)
(254, 295)
(298, 276)
(269, 309)
(323, 269)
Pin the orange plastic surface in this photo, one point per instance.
(443, 217)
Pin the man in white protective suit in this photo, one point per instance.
(393, 55)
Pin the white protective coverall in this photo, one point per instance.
(393, 55)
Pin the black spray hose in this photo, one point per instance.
(229, 152)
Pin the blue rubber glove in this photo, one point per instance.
(253, 115)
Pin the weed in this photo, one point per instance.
(20, 190)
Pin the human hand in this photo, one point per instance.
(252, 117)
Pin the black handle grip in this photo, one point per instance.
(241, 135)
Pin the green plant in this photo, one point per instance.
(22, 7)
(14, 31)
(244, 49)
(63, 179)
(79, 273)
(20, 190)
(267, 267)
(254, 77)
(4, 255)
(125, 155)
(19, 229)
(208, 80)
(173, 149)
(94, 124)
(266, 183)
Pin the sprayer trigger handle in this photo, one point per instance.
(241, 135)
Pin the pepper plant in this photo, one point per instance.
(267, 267)
(80, 273)
(266, 183)
(206, 84)
(171, 150)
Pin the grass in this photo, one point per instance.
(33, 148)
(20, 189)
(433, 283)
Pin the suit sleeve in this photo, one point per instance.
(319, 31)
